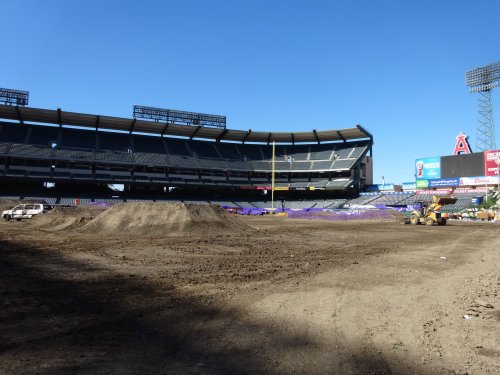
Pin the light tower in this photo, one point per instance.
(482, 80)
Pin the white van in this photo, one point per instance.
(25, 211)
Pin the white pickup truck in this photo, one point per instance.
(25, 211)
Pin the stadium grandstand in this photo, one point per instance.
(465, 199)
(58, 156)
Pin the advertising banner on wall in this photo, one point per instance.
(492, 163)
(409, 185)
(422, 184)
(485, 180)
(443, 182)
(380, 187)
(428, 168)
(472, 191)
(433, 192)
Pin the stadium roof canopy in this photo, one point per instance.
(96, 122)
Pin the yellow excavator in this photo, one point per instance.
(430, 214)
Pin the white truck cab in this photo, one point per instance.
(25, 211)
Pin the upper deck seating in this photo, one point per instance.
(204, 149)
(321, 165)
(229, 151)
(107, 148)
(343, 153)
(43, 135)
(343, 163)
(14, 133)
(177, 147)
(321, 155)
(358, 151)
(114, 141)
(143, 143)
(75, 138)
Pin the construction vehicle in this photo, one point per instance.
(429, 214)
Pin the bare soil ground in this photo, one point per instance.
(280, 297)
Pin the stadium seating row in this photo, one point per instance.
(111, 176)
(54, 143)
(464, 201)
(176, 161)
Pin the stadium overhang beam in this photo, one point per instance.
(130, 125)
(19, 117)
(316, 136)
(165, 128)
(340, 136)
(366, 132)
(224, 132)
(194, 133)
(246, 136)
(59, 117)
(369, 135)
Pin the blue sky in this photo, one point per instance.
(395, 67)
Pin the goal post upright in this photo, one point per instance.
(272, 176)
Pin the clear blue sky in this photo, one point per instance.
(395, 67)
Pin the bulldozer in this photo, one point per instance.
(429, 214)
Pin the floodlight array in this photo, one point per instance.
(484, 78)
(14, 97)
(173, 116)
(486, 87)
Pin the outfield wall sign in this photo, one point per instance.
(422, 184)
(434, 192)
(428, 168)
(484, 180)
(444, 182)
(472, 191)
(492, 163)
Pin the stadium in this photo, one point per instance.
(182, 158)
(172, 219)
(64, 157)
(221, 188)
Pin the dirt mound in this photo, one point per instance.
(65, 218)
(148, 218)
(398, 216)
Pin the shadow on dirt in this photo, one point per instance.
(61, 316)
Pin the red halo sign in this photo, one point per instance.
(462, 145)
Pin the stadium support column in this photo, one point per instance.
(272, 177)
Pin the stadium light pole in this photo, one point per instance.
(482, 80)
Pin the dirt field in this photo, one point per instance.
(276, 296)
